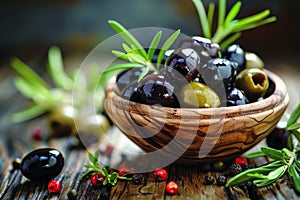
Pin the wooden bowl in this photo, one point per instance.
(189, 135)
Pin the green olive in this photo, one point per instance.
(254, 82)
(61, 121)
(199, 95)
(253, 61)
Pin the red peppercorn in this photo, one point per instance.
(37, 133)
(124, 170)
(54, 186)
(97, 179)
(160, 174)
(171, 188)
(241, 161)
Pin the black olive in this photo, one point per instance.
(203, 46)
(155, 89)
(236, 54)
(128, 76)
(42, 164)
(236, 97)
(278, 138)
(182, 65)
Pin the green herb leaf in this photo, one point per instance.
(56, 69)
(135, 58)
(122, 67)
(295, 176)
(244, 176)
(154, 44)
(290, 144)
(293, 126)
(168, 43)
(29, 113)
(126, 48)
(272, 153)
(230, 40)
(120, 54)
(233, 13)
(203, 18)
(294, 116)
(143, 74)
(277, 173)
(128, 37)
(92, 158)
(255, 154)
(210, 14)
(221, 15)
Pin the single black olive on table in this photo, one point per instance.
(182, 65)
(278, 138)
(42, 164)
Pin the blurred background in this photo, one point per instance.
(29, 28)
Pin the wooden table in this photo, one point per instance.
(16, 141)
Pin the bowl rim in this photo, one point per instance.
(278, 97)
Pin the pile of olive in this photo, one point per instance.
(199, 74)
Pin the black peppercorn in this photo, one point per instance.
(221, 180)
(72, 194)
(137, 179)
(235, 169)
(209, 180)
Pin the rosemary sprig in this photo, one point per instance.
(135, 53)
(228, 28)
(284, 161)
(94, 167)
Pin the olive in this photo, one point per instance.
(130, 92)
(253, 61)
(203, 46)
(182, 65)
(155, 89)
(254, 82)
(195, 94)
(219, 74)
(236, 97)
(278, 138)
(61, 121)
(236, 54)
(128, 76)
(42, 164)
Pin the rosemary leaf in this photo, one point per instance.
(203, 18)
(238, 24)
(293, 126)
(126, 48)
(294, 116)
(232, 13)
(122, 67)
(143, 74)
(295, 177)
(168, 43)
(136, 58)
(230, 40)
(272, 153)
(255, 24)
(28, 74)
(56, 69)
(221, 14)
(154, 44)
(120, 54)
(210, 14)
(127, 36)
(29, 113)
(255, 154)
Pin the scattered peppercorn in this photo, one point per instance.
(221, 180)
(137, 179)
(209, 180)
(54, 186)
(97, 179)
(171, 188)
(235, 169)
(124, 170)
(72, 194)
(160, 174)
(240, 161)
(218, 166)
